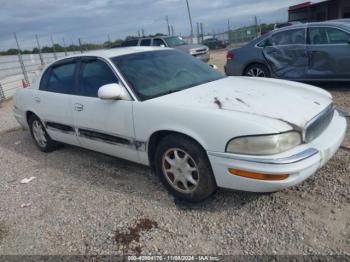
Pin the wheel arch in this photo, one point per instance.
(256, 62)
(157, 136)
(30, 113)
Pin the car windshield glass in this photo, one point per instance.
(156, 73)
(175, 41)
(346, 25)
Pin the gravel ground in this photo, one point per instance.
(7, 121)
(83, 202)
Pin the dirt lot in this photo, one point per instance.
(83, 202)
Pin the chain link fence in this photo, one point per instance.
(21, 65)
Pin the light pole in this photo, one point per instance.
(190, 18)
(168, 26)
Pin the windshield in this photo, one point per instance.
(156, 73)
(346, 25)
(175, 41)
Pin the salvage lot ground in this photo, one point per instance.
(83, 202)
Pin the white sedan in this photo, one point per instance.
(197, 128)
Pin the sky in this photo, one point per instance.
(94, 20)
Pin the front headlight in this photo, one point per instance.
(193, 51)
(264, 144)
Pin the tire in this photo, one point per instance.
(41, 138)
(257, 70)
(196, 171)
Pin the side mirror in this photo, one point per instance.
(213, 66)
(110, 91)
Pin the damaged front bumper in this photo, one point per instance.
(205, 57)
(299, 163)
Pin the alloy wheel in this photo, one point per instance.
(256, 72)
(180, 170)
(39, 133)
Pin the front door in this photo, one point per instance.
(329, 52)
(286, 54)
(102, 125)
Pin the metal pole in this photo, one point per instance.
(172, 30)
(109, 41)
(53, 48)
(228, 31)
(167, 23)
(21, 61)
(190, 18)
(198, 33)
(39, 48)
(73, 48)
(2, 94)
(202, 32)
(64, 46)
(80, 45)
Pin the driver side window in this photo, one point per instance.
(289, 37)
(93, 75)
(328, 36)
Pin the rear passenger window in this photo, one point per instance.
(130, 43)
(59, 79)
(145, 42)
(289, 37)
(95, 74)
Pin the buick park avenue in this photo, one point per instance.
(198, 129)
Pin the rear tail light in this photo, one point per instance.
(230, 56)
(24, 84)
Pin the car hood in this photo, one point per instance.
(290, 102)
(187, 48)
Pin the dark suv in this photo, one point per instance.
(199, 51)
(214, 43)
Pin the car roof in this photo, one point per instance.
(114, 52)
(330, 23)
(340, 23)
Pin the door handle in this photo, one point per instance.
(78, 107)
(37, 99)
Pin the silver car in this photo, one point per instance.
(305, 52)
(198, 51)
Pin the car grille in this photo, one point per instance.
(318, 124)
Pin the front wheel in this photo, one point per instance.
(257, 70)
(184, 169)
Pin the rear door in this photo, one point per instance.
(286, 53)
(329, 52)
(54, 99)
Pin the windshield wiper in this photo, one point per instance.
(165, 93)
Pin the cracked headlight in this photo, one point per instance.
(264, 144)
